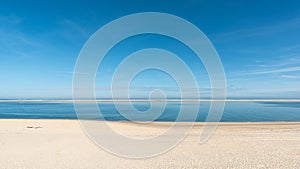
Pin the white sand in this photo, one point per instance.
(61, 144)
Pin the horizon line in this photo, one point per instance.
(148, 100)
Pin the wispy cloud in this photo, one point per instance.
(68, 72)
(10, 19)
(71, 26)
(13, 41)
(276, 77)
(283, 70)
(290, 76)
(291, 48)
(263, 30)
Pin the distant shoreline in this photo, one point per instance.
(152, 100)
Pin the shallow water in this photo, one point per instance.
(234, 111)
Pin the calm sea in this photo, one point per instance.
(234, 111)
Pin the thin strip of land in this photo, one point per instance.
(151, 100)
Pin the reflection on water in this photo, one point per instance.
(283, 104)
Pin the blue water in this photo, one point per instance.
(234, 111)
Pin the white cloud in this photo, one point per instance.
(283, 26)
(289, 77)
(282, 70)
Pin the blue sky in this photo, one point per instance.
(257, 41)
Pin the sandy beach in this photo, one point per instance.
(62, 144)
